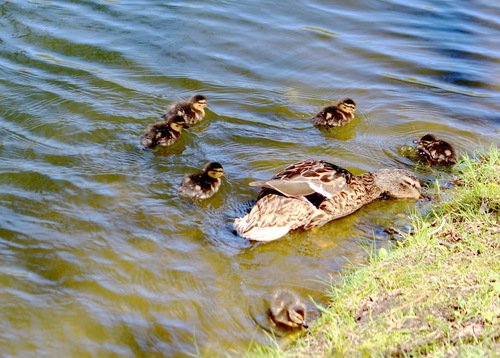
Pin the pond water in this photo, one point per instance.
(98, 254)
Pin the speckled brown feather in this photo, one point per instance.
(186, 110)
(202, 185)
(199, 186)
(307, 177)
(436, 151)
(160, 134)
(274, 215)
(335, 116)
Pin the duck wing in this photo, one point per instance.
(274, 216)
(308, 177)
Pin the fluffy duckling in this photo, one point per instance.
(288, 309)
(203, 185)
(436, 151)
(193, 111)
(313, 192)
(336, 116)
(164, 134)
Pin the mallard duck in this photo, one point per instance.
(193, 110)
(164, 134)
(286, 308)
(313, 192)
(203, 185)
(436, 151)
(336, 116)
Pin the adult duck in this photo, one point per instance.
(313, 192)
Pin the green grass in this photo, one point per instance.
(435, 293)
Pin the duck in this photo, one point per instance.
(193, 111)
(312, 193)
(337, 115)
(287, 309)
(436, 151)
(203, 185)
(164, 134)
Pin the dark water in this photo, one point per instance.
(98, 254)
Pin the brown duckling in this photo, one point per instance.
(203, 185)
(313, 192)
(163, 134)
(436, 151)
(336, 116)
(193, 111)
(288, 309)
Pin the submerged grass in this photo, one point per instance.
(437, 293)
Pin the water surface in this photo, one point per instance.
(99, 255)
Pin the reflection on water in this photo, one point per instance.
(99, 253)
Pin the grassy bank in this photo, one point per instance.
(437, 292)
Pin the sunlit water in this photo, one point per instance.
(99, 255)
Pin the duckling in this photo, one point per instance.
(288, 309)
(436, 151)
(313, 192)
(164, 134)
(336, 116)
(193, 111)
(203, 185)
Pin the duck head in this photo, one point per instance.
(297, 316)
(397, 183)
(428, 138)
(213, 170)
(347, 105)
(199, 102)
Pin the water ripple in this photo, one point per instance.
(99, 249)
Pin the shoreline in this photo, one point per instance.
(434, 293)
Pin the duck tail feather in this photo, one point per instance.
(264, 234)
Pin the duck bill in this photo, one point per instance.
(185, 126)
(215, 174)
(305, 325)
(425, 198)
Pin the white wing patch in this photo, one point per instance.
(264, 234)
(302, 187)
